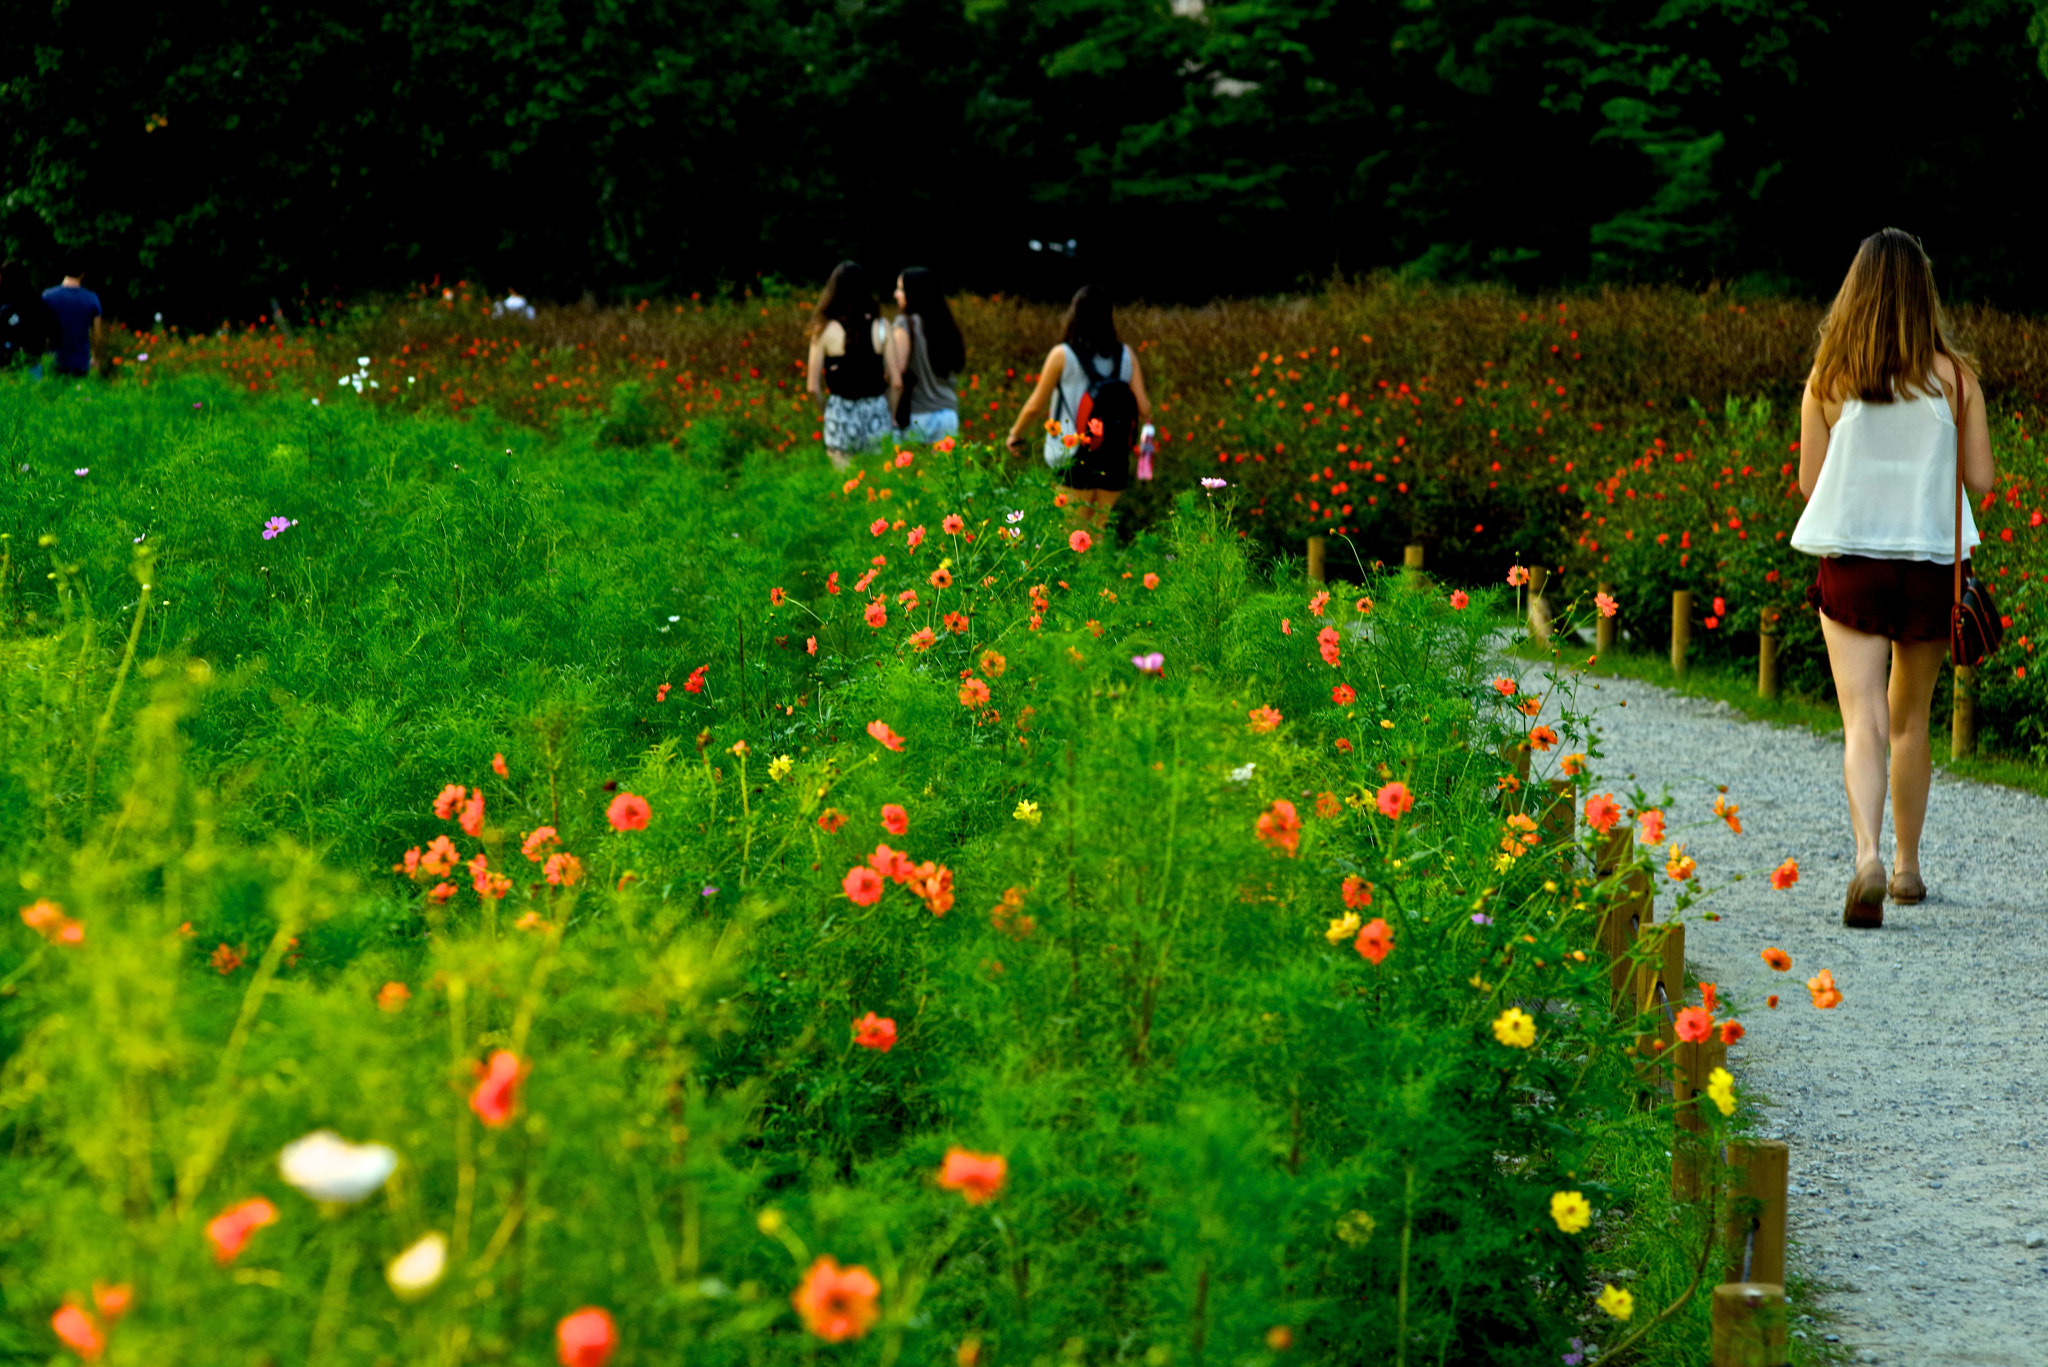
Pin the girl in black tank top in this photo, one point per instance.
(855, 411)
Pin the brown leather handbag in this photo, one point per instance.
(1974, 628)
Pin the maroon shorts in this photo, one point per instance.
(1900, 600)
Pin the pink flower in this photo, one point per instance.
(1651, 826)
(1608, 607)
(878, 526)
(473, 814)
(1326, 641)
(1394, 799)
(1517, 576)
(79, 1332)
(895, 820)
(863, 885)
(1080, 541)
(230, 1229)
(497, 1089)
(916, 537)
(1694, 1023)
(628, 813)
(880, 731)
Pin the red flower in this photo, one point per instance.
(881, 732)
(449, 799)
(628, 813)
(973, 693)
(1694, 1023)
(923, 639)
(830, 820)
(1785, 875)
(586, 1338)
(1343, 746)
(1375, 942)
(1731, 1031)
(1394, 799)
(695, 683)
(1542, 738)
(956, 623)
(1326, 642)
(876, 614)
(230, 1229)
(497, 1090)
(226, 959)
(875, 1032)
(863, 885)
(832, 582)
(1458, 599)
(976, 1176)
(1343, 695)
(473, 814)
(953, 525)
(1080, 541)
(498, 767)
(1357, 892)
(1280, 827)
(895, 820)
(1602, 812)
(1151, 581)
(79, 1332)
(837, 1303)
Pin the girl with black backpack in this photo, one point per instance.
(926, 352)
(1096, 390)
(847, 338)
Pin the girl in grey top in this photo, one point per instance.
(926, 352)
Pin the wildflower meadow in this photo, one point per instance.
(575, 879)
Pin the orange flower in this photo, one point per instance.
(1825, 995)
(1343, 695)
(112, 1301)
(837, 1303)
(1777, 958)
(1375, 942)
(230, 1230)
(1785, 875)
(1650, 827)
(1542, 738)
(563, 870)
(923, 639)
(875, 1032)
(1529, 707)
(226, 959)
(497, 1090)
(440, 857)
(1504, 686)
(941, 578)
(1602, 812)
(1326, 642)
(895, 820)
(449, 799)
(956, 623)
(498, 766)
(48, 920)
(1680, 865)
(1357, 892)
(1151, 581)
(1080, 541)
(891, 864)
(536, 844)
(1280, 827)
(953, 524)
(1726, 810)
(863, 885)
(628, 813)
(1694, 1023)
(830, 820)
(1572, 765)
(877, 614)
(976, 1176)
(1394, 799)
(1263, 719)
(79, 1332)
(440, 892)
(392, 997)
(776, 597)
(586, 1338)
(973, 693)
(908, 598)
(880, 731)
(1731, 1031)
(1772, 1001)
(993, 664)
(1328, 806)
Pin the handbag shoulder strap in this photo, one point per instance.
(1958, 574)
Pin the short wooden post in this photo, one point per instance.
(1756, 1210)
(1560, 819)
(1603, 626)
(1632, 909)
(1411, 562)
(1539, 609)
(1767, 656)
(1681, 629)
(1315, 559)
(1614, 850)
(1750, 1325)
(1962, 717)
(1690, 1163)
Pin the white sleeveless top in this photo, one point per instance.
(1067, 398)
(1887, 489)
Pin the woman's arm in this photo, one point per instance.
(1036, 406)
(814, 373)
(1813, 439)
(896, 356)
(1138, 392)
(1980, 472)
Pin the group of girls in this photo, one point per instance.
(875, 379)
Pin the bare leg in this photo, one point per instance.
(1859, 661)
(840, 460)
(1916, 669)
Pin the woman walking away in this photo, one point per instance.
(1891, 411)
(847, 338)
(1097, 392)
(925, 352)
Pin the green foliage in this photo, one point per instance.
(1217, 1119)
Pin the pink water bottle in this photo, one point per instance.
(1145, 448)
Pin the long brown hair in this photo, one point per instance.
(1886, 326)
(848, 298)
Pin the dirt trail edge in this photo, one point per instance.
(1914, 1110)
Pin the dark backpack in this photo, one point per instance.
(1107, 418)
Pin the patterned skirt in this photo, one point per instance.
(855, 424)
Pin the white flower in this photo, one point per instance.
(419, 1269)
(326, 1167)
(1243, 775)
(362, 360)
(1209, 483)
(1014, 515)
(343, 382)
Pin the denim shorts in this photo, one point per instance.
(929, 427)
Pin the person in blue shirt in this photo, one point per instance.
(75, 311)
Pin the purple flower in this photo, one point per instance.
(82, 471)
(275, 527)
(1210, 482)
(710, 891)
(1480, 918)
(1155, 663)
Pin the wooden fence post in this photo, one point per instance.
(1681, 629)
(1316, 546)
(1962, 718)
(1696, 1063)
(1632, 909)
(1539, 609)
(1411, 563)
(1750, 1325)
(1560, 819)
(1756, 1210)
(1603, 627)
(1659, 990)
(1767, 655)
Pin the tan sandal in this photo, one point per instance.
(1908, 889)
(1863, 909)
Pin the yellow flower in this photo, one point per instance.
(1571, 1211)
(770, 1222)
(1515, 1028)
(1680, 865)
(1617, 1302)
(1721, 1090)
(1356, 1228)
(1387, 725)
(779, 767)
(1027, 810)
(1343, 928)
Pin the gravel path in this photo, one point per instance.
(1914, 1110)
